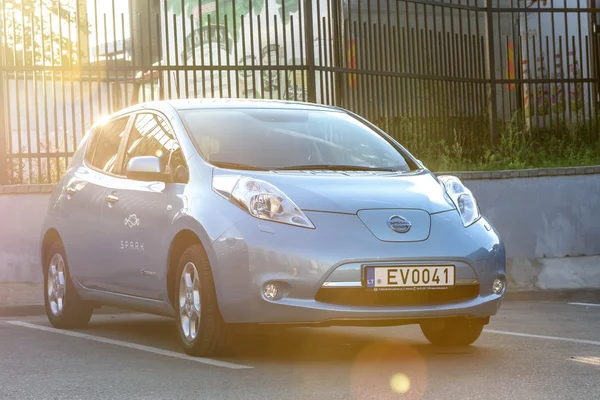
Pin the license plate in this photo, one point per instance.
(405, 277)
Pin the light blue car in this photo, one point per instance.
(228, 212)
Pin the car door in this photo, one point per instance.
(82, 231)
(137, 212)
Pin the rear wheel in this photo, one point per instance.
(202, 331)
(64, 308)
(453, 332)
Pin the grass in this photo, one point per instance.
(549, 153)
(467, 148)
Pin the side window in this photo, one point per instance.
(151, 135)
(103, 149)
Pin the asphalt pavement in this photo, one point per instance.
(531, 350)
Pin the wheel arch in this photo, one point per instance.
(51, 236)
(184, 238)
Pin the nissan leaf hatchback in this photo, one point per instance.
(225, 212)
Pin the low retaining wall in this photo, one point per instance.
(542, 213)
(548, 218)
(22, 210)
(550, 222)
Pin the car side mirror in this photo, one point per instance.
(147, 168)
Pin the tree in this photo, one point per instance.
(37, 32)
(229, 8)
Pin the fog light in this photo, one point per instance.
(498, 286)
(270, 291)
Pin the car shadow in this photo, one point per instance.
(326, 344)
(297, 345)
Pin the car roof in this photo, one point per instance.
(167, 106)
(193, 104)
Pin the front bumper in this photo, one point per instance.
(305, 262)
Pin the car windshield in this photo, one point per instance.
(272, 139)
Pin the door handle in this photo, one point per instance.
(70, 191)
(111, 198)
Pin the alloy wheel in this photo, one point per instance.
(189, 301)
(57, 286)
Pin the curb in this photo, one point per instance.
(553, 295)
(30, 310)
(25, 310)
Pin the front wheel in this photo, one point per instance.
(64, 308)
(202, 331)
(453, 332)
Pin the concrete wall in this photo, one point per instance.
(538, 217)
(543, 217)
(21, 215)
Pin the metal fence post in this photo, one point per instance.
(310, 52)
(3, 133)
(337, 19)
(491, 65)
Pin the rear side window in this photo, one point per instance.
(151, 135)
(104, 148)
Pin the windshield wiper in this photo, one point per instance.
(232, 165)
(333, 167)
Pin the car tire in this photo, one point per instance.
(202, 331)
(453, 332)
(64, 308)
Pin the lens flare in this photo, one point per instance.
(159, 153)
(389, 370)
(400, 383)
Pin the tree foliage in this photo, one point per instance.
(230, 8)
(37, 32)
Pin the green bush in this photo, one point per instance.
(463, 144)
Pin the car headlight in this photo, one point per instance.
(462, 198)
(260, 199)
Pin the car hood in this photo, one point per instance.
(349, 192)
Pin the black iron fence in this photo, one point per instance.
(427, 71)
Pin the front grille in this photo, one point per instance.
(370, 298)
